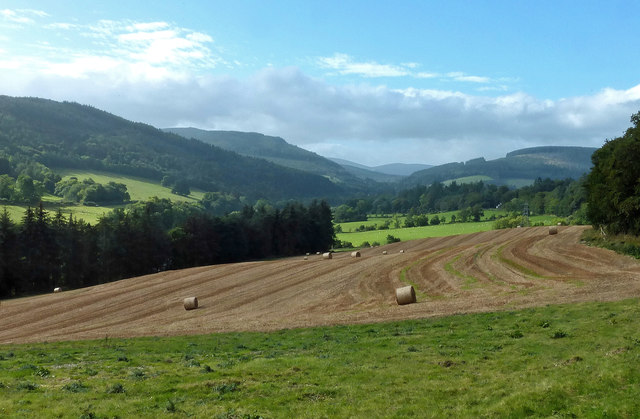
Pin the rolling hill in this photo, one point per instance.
(273, 149)
(518, 168)
(392, 172)
(64, 135)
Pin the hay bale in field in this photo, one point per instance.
(355, 254)
(317, 253)
(307, 254)
(553, 230)
(402, 251)
(57, 289)
(405, 295)
(191, 303)
(559, 224)
(384, 252)
(306, 258)
(327, 255)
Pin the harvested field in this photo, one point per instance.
(494, 270)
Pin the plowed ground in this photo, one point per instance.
(495, 270)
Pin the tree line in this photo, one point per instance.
(613, 184)
(544, 196)
(46, 251)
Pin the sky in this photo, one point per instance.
(374, 82)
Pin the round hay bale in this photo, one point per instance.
(307, 254)
(355, 254)
(306, 258)
(191, 303)
(553, 230)
(57, 289)
(559, 224)
(384, 252)
(402, 251)
(317, 253)
(327, 255)
(405, 295)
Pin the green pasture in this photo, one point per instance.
(139, 189)
(413, 233)
(441, 230)
(380, 219)
(468, 179)
(580, 360)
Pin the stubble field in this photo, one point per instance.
(488, 271)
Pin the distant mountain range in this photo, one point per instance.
(273, 149)
(518, 168)
(395, 169)
(70, 135)
(386, 173)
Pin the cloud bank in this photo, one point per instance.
(165, 75)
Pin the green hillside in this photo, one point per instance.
(273, 149)
(518, 168)
(73, 136)
(139, 189)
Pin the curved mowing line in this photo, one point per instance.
(403, 273)
(469, 279)
(481, 253)
(515, 265)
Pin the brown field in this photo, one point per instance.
(495, 270)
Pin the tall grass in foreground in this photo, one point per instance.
(579, 360)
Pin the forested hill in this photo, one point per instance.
(518, 168)
(70, 135)
(274, 149)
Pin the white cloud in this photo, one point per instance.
(365, 123)
(158, 73)
(344, 64)
(458, 76)
(21, 16)
(123, 51)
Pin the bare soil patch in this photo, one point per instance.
(495, 270)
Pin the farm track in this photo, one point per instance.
(495, 270)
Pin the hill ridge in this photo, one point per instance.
(71, 135)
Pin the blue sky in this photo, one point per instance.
(370, 81)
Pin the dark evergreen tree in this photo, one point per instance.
(9, 256)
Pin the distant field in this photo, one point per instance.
(412, 233)
(351, 226)
(441, 230)
(468, 179)
(139, 189)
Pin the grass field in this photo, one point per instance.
(412, 233)
(139, 189)
(468, 179)
(580, 360)
(379, 220)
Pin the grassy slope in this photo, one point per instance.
(577, 360)
(139, 189)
